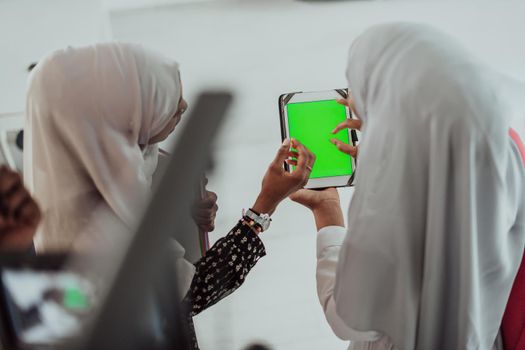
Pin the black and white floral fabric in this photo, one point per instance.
(222, 270)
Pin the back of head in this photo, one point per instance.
(90, 114)
(411, 71)
(436, 231)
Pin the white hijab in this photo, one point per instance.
(90, 114)
(437, 221)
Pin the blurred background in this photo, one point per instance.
(259, 49)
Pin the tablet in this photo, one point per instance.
(310, 118)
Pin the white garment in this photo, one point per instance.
(437, 220)
(329, 241)
(91, 112)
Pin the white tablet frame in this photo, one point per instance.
(313, 96)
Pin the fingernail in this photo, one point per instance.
(333, 131)
(333, 141)
(286, 142)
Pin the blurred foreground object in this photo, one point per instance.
(142, 309)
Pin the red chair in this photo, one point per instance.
(513, 324)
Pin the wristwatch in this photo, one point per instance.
(261, 220)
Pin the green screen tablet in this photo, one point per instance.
(310, 118)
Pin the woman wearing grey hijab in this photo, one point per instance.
(436, 226)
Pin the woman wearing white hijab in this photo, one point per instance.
(95, 115)
(88, 159)
(436, 226)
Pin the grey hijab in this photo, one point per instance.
(437, 221)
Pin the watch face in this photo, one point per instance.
(263, 220)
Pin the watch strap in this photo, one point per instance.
(261, 220)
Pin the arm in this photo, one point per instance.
(330, 224)
(329, 240)
(326, 208)
(224, 268)
(329, 220)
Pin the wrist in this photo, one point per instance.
(326, 205)
(251, 225)
(265, 205)
(259, 222)
(328, 214)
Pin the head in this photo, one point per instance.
(409, 56)
(411, 73)
(92, 113)
(437, 178)
(172, 123)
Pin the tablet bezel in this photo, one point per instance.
(313, 96)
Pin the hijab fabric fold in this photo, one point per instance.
(91, 112)
(437, 221)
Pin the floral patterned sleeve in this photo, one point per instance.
(224, 267)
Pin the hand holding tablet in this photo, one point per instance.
(311, 117)
(277, 183)
(350, 124)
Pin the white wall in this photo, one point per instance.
(117, 5)
(31, 28)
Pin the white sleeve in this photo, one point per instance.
(329, 240)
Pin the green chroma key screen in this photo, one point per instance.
(312, 123)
